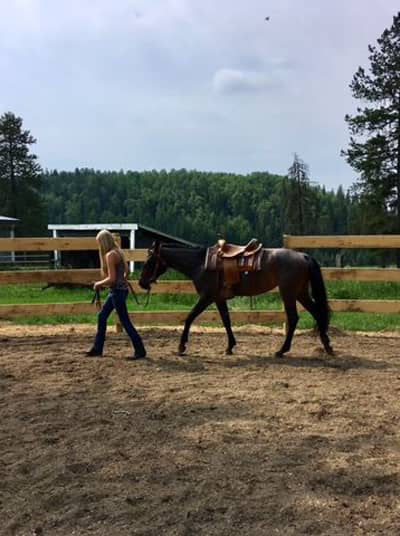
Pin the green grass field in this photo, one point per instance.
(31, 294)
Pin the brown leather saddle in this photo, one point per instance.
(232, 260)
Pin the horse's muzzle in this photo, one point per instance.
(145, 284)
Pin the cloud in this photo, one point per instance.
(237, 81)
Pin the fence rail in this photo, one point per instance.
(63, 244)
(141, 317)
(86, 277)
(342, 241)
(47, 244)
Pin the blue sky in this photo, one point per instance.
(204, 84)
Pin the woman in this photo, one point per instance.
(115, 268)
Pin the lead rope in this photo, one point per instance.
(96, 299)
(147, 298)
(133, 292)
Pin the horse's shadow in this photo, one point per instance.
(340, 362)
(177, 363)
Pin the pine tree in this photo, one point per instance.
(20, 175)
(298, 197)
(374, 148)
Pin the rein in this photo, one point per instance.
(133, 292)
(146, 303)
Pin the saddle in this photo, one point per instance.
(229, 251)
(232, 260)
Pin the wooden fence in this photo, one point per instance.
(168, 317)
(354, 274)
(86, 277)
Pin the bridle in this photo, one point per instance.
(153, 278)
(157, 265)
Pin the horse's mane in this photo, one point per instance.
(179, 245)
(196, 248)
(184, 257)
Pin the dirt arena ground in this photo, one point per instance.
(202, 445)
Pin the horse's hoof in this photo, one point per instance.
(278, 354)
(228, 351)
(181, 350)
(330, 351)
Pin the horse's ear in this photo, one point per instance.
(155, 246)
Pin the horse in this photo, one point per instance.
(293, 272)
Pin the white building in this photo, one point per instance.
(133, 236)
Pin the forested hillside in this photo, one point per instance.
(197, 205)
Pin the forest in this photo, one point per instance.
(199, 206)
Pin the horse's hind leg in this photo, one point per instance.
(310, 306)
(224, 312)
(202, 304)
(292, 319)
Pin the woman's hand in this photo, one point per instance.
(97, 285)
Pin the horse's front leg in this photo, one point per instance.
(202, 304)
(226, 319)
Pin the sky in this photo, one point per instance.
(197, 84)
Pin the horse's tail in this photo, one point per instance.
(319, 295)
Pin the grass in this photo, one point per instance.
(32, 294)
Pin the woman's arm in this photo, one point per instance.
(112, 259)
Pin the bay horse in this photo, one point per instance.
(292, 271)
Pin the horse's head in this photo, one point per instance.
(153, 267)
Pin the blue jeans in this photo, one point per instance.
(116, 300)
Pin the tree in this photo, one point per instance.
(297, 197)
(20, 175)
(374, 148)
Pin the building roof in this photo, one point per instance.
(155, 233)
(5, 220)
(164, 236)
(93, 226)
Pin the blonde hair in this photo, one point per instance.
(107, 243)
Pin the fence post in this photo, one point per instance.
(286, 240)
(339, 259)
(12, 235)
